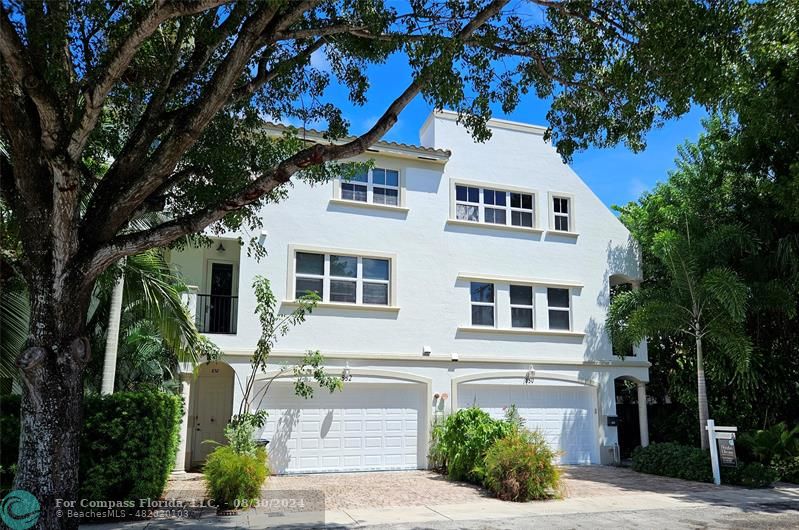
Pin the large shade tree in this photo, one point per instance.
(112, 110)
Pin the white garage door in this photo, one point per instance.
(564, 414)
(367, 426)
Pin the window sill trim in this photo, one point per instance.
(521, 331)
(476, 224)
(575, 235)
(348, 306)
(369, 205)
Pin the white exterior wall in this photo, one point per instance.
(431, 253)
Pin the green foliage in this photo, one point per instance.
(519, 467)
(9, 439)
(673, 460)
(233, 478)
(691, 463)
(240, 434)
(787, 469)
(779, 442)
(128, 445)
(461, 441)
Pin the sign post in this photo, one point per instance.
(722, 448)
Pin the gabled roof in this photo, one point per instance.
(396, 149)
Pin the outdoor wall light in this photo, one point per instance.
(220, 248)
(346, 375)
(529, 377)
(426, 351)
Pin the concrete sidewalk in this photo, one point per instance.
(776, 500)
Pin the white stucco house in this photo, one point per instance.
(453, 274)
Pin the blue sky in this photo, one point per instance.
(616, 175)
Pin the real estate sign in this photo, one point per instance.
(726, 448)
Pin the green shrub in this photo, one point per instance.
(235, 479)
(9, 440)
(750, 475)
(779, 442)
(461, 442)
(673, 460)
(519, 467)
(787, 469)
(692, 463)
(129, 444)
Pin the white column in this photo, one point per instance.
(185, 393)
(190, 299)
(643, 421)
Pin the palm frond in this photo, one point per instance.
(14, 320)
(728, 291)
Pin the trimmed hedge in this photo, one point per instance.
(128, 444)
(691, 463)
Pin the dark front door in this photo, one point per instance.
(221, 309)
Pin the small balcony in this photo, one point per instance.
(212, 275)
(216, 313)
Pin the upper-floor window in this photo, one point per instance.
(559, 306)
(482, 295)
(341, 278)
(494, 206)
(521, 306)
(562, 214)
(376, 186)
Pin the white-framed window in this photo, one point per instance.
(467, 203)
(482, 297)
(559, 308)
(521, 306)
(562, 214)
(343, 277)
(377, 186)
(483, 204)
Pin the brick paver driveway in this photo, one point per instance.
(419, 488)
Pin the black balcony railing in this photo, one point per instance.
(217, 313)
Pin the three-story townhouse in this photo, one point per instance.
(451, 274)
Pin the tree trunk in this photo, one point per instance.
(701, 394)
(51, 370)
(112, 337)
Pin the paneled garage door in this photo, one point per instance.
(564, 414)
(367, 426)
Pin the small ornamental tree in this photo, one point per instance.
(113, 111)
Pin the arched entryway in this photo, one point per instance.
(210, 410)
(631, 410)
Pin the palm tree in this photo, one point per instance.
(156, 329)
(705, 302)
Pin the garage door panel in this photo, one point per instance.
(365, 427)
(562, 414)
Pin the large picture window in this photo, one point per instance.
(376, 186)
(494, 206)
(342, 278)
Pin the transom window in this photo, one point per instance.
(343, 279)
(378, 186)
(482, 295)
(559, 305)
(521, 306)
(494, 206)
(561, 209)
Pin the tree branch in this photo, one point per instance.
(110, 72)
(19, 64)
(317, 154)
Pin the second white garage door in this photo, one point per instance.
(564, 414)
(365, 427)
